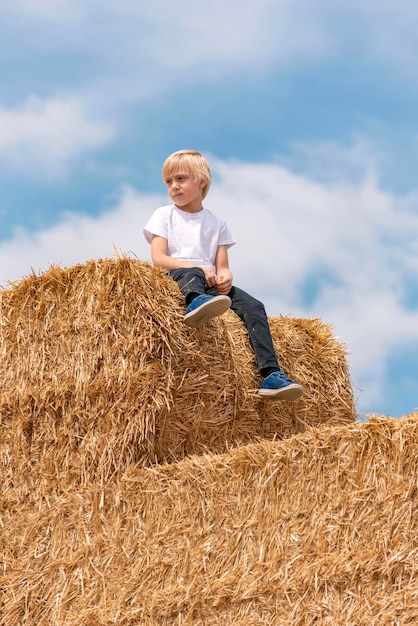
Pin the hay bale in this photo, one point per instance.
(98, 373)
(87, 363)
(316, 529)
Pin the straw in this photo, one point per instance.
(99, 372)
(145, 482)
(316, 529)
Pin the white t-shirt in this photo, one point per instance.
(193, 237)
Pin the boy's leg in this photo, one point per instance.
(200, 305)
(191, 281)
(253, 314)
(276, 385)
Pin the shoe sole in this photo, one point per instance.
(291, 392)
(207, 310)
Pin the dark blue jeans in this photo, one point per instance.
(192, 282)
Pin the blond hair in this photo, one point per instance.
(193, 162)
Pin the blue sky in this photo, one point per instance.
(307, 112)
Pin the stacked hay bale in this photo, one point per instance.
(87, 364)
(317, 529)
(101, 382)
(98, 373)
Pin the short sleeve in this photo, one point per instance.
(225, 236)
(156, 225)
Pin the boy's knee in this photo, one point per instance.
(257, 304)
(191, 280)
(258, 309)
(201, 274)
(187, 272)
(195, 273)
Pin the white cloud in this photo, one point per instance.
(331, 161)
(77, 239)
(44, 10)
(257, 34)
(43, 137)
(235, 33)
(134, 51)
(386, 29)
(355, 243)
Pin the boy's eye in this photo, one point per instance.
(169, 181)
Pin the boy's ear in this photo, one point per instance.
(202, 183)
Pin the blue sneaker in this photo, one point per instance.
(278, 386)
(204, 307)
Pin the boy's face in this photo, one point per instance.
(185, 190)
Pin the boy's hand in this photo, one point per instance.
(210, 276)
(224, 282)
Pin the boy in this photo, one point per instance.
(191, 244)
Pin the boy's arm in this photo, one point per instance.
(160, 258)
(223, 274)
